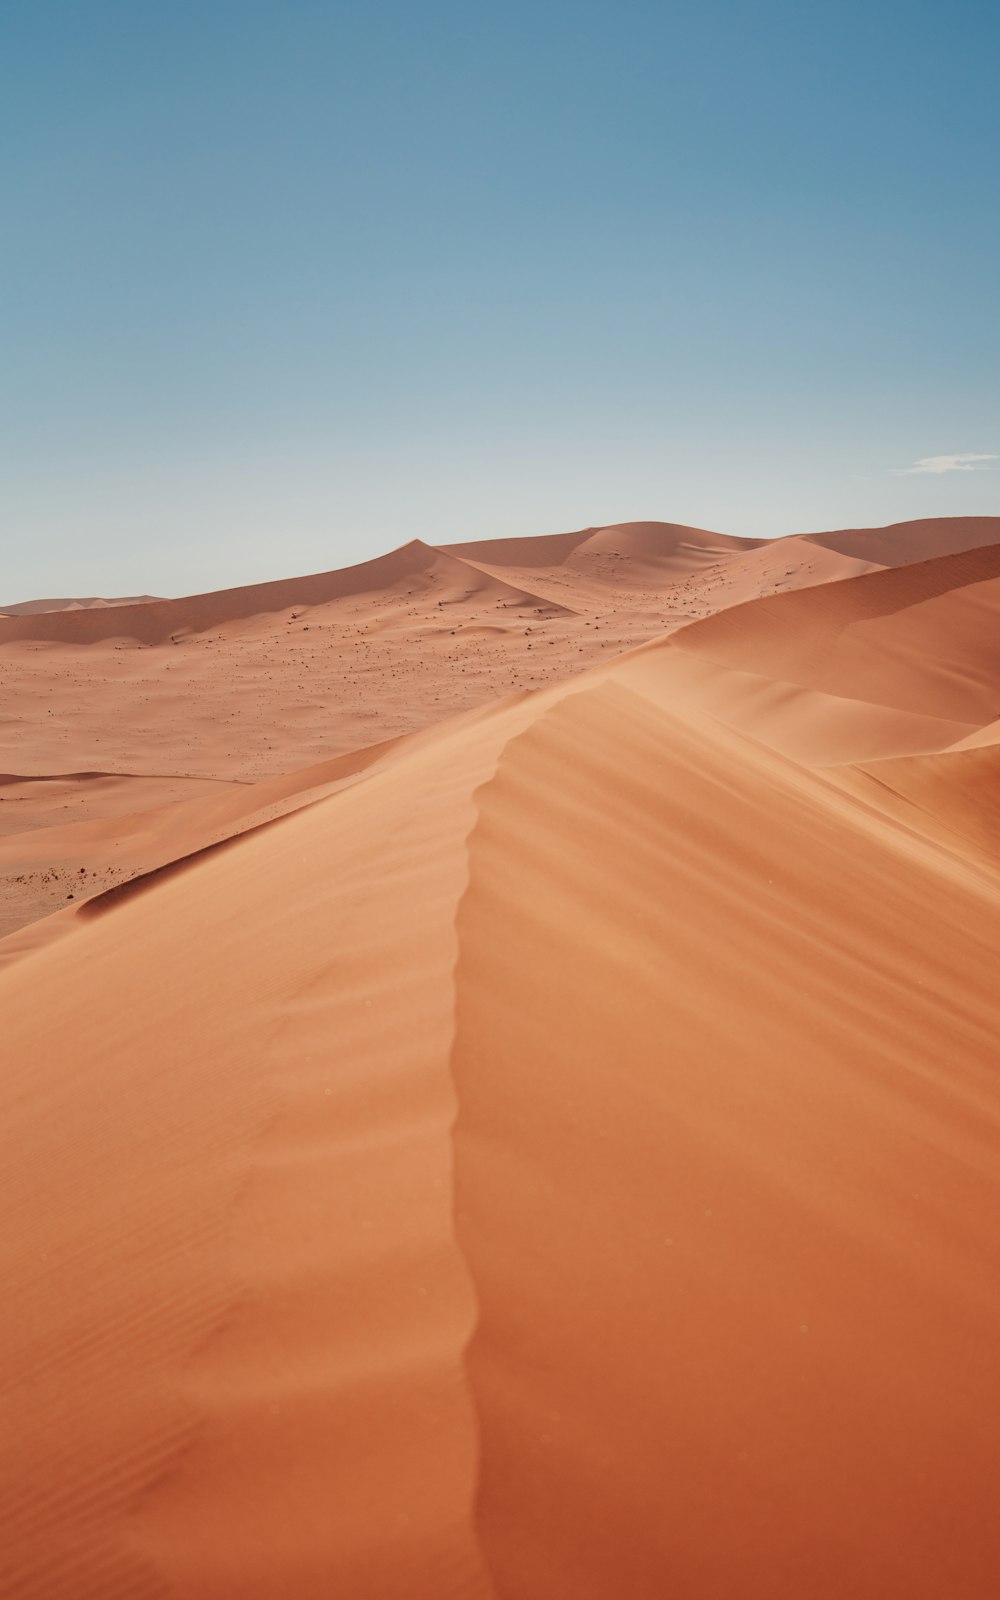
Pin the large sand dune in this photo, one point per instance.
(544, 1148)
(254, 684)
(31, 607)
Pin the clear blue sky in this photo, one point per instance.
(286, 283)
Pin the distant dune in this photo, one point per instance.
(415, 568)
(29, 608)
(505, 1104)
(902, 543)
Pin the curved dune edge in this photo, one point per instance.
(902, 543)
(560, 1163)
(157, 621)
(564, 1129)
(954, 795)
(139, 847)
(817, 728)
(277, 1317)
(275, 678)
(920, 638)
(726, 1103)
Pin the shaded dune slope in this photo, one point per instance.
(954, 794)
(726, 1110)
(901, 543)
(187, 823)
(35, 802)
(420, 634)
(651, 542)
(415, 565)
(715, 571)
(628, 557)
(922, 639)
(559, 1165)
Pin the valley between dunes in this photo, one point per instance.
(500, 1092)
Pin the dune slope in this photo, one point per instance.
(902, 543)
(893, 662)
(723, 1171)
(414, 566)
(559, 1164)
(923, 638)
(133, 707)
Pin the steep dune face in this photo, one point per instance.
(922, 639)
(541, 1153)
(557, 1164)
(818, 728)
(255, 1363)
(719, 1037)
(954, 795)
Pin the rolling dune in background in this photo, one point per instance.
(551, 1152)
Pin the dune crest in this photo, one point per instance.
(548, 1151)
(81, 603)
(416, 564)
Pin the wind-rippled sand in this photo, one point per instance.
(511, 1109)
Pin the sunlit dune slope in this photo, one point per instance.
(954, 795)
(922, 639)
(98, 855)
(902, 543)
(635, 560)
(726, 1090)
(117, 716)
(415, 565)
(261, 684)
(559, 1163)
(659, 546)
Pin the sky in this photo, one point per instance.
(285, 284)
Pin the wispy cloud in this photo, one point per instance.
(962, 463)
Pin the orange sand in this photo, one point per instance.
(548, 1149)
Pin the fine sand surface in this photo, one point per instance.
(115, 710)
(540, 1143)
(112, 711)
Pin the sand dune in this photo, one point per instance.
(98, 855)
(636, 561)
(38, 802)
(31, 607)
(954, 795)
(903, 543)
(249, 685)
(368, 655)
(654, 542)
(546, 1151)
(708, 1036)
(415, 566)
(923, 639)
